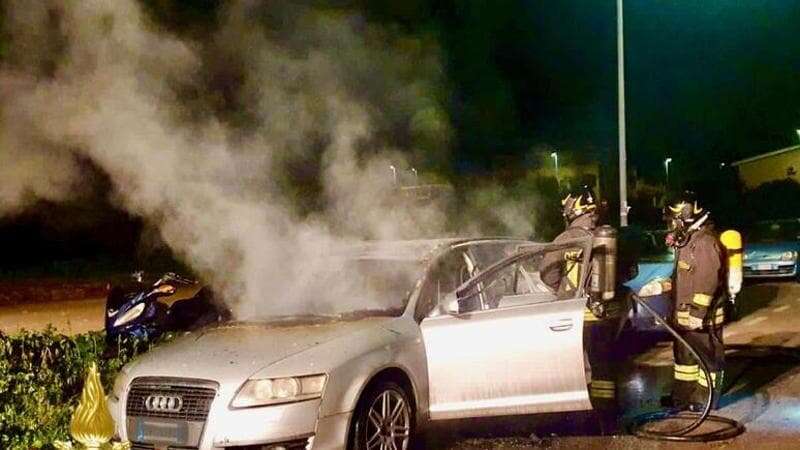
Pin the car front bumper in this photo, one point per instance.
(291, 426)
(770, 269)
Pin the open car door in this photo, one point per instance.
(520, 352)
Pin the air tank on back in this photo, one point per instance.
(732, 241)
(604, 263)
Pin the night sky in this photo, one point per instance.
(707, 81)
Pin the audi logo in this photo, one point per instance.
(163, 403)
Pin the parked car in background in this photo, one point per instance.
(434, 330)
(653, 282)
(771, 249)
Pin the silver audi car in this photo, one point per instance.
(443, 329)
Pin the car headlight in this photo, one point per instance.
(655, 287)
(789, 256)
(272, 391)
(129, 315)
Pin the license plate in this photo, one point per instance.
(160, 432)
(763, 266)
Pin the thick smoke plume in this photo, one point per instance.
(253, 150)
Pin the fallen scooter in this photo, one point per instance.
(135, 312)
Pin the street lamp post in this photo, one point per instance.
(554, 155)
(666, 169)
(623, 175)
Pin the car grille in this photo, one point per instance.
(196, 395)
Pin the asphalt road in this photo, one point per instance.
(762, 381)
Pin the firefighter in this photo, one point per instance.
(561, 270)
(699, 297)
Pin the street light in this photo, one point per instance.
(623, 171)
(666, 168)
(394, 173)
(554, 155)
(416, 176)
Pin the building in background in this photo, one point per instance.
(772, 166)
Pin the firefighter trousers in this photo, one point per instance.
(690, 383)
(599, 341)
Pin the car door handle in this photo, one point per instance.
(561, 325)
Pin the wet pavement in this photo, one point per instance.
(761, 389)
(762, 381)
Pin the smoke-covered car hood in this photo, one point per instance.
(232, 353)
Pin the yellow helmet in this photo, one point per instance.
(685, 208)
(579, 202)
(684, 215)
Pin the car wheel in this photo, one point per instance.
(384, 419)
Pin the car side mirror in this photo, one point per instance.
(449, 304)
(452, 307)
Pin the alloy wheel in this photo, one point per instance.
(388, 424)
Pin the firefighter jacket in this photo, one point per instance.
(561, 270)
(699, 279)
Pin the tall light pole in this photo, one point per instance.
(394, 173)
(554, 155)
(666, 169)
(416, 176)
(623, 173)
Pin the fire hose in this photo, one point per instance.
(729, 429)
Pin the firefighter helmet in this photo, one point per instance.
(579, 202)
(684, 215)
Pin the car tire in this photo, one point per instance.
(384, 416)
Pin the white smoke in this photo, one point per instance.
(199, 138)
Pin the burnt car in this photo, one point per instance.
(437, 329)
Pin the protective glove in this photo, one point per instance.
(597, 308)
(695, 323)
